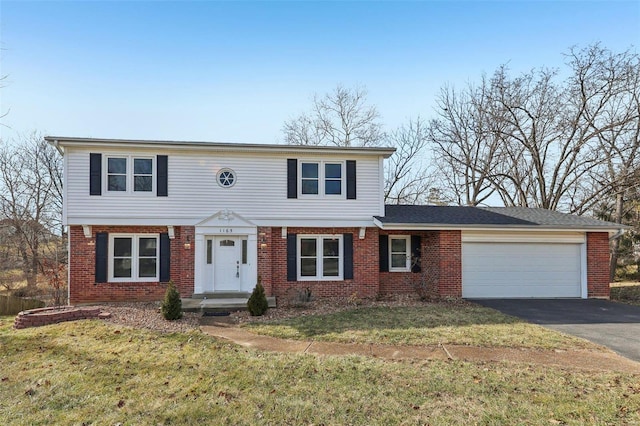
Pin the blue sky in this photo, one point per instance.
(235, 71)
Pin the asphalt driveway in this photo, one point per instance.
(611, 324)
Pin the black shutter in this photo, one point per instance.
(162, 176)
(95, 174)
(165, 258)
(383, 245)
(102, 254)
(292, 274)
(292, 178)
(351, 180)
(348, 256)
(416, 257)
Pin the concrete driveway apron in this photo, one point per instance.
(611, 324)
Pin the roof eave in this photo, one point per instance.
(450, 227)
(385, 152)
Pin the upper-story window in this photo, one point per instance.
(130, 174)
(321, 178)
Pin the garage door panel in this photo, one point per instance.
(521, 270)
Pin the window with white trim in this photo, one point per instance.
(134, 257)
(129, 174)
(399, 253)
(321, 178)
(320, 257)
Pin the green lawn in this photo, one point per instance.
(87, 372)
(446, 323)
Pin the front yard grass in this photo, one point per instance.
(87, 372)
(431, 324)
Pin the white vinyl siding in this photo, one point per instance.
(521, 269)
(259, 192)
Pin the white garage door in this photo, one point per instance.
(503, 270)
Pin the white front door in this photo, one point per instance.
(227, 263)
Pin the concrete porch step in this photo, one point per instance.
(213, 304)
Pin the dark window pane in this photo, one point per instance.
(398, 261)
(309, 186)
(227, 243)
(333, 171)
(209, 251)
(398, 245)
(308, 267)
(147, 247)
(331, 247)
(244, 252)
(307, 247)
(330, 267)
(142, 166)
(333, 187)
(310, 170)
(117, 183)
(143, 183)
(117, 166)
(147, 267)
(121, 247)
(122, 268)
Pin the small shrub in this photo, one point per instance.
(172, 305)
(257, 303)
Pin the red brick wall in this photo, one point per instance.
(365, 282)
(450, 252)
(441, 264)
(265, 260)
(598, 264)
(84, 289)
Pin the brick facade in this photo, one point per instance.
(441, 265)
(272, 246)
(598, 265)
(82, 257)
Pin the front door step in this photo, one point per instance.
(228, 303)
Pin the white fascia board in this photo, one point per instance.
(436, 227)
(132, 221)
(218, 146)
(316, 223)
(190, 221)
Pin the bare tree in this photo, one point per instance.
(340, 118)
(408, 179)
(466, 145)
(30, 200)
(532, 139)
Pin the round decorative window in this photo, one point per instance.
(226, 178)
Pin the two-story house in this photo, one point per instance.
(218, 217)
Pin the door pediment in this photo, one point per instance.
(225, 219)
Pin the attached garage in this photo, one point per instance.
(522, 265)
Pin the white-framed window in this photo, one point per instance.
(320, 257)
(321, 178)
(134, 257)
(130, 174)
(399, 253)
